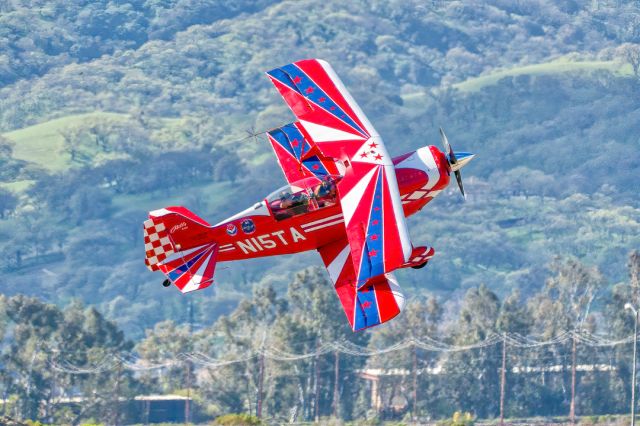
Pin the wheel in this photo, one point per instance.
(166, 283)
(422, 265)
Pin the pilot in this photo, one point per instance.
(286, 200)
(327, 189)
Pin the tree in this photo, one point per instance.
(314, 317)
(630, 52)
(472, 375)
(236, 387)
(419, 320)
(45, 341)
(515, 317)
(88, 339)
(620, 323)
(8, 202)
(72, 141)
(565, 304)
(163, 345)
(88, 203)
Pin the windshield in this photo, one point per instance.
(303, 196)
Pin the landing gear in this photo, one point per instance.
(422, 265)
(166, 283)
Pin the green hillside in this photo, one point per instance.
(44, 144)
(111, 109)
(159, 113)
(560, 65)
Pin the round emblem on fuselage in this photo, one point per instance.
(248, 227)
(231, 229)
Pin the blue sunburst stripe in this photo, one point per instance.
(287, 73)
(284, 78)
(372, 264)
(182, 269)
(284, 137)
(282, 140)
(321, 171)
(366, 308)
(293, 135)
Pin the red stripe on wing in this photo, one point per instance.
(380, 294)
(357, 225)
(388, 307)
(288, 163)
(393, 257)
(342, 274)
(314, 69)
(305, 109)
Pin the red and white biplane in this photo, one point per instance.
(346, 198)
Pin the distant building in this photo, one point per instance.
(377, 376)
(161, 408)
(145, 409)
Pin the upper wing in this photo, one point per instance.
(378, 301)
(334, 123)
(298, 155)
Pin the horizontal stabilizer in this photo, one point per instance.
(178, 243)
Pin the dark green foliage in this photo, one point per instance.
(555, 149)
(44, 339)
(8, 202)
(165, 90)
(237, 420)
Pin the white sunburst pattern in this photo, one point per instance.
(375, 228)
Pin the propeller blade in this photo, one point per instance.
(445, 143)
(453, 161)
(459, 179)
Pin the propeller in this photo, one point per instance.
(456, 162)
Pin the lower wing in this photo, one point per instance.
(377, 301)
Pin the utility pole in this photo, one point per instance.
(317, 387)
(117, 392)
(260, 382)
(187, 402)
(572, 408)
(503, 376)
(336, 389)
(191, 315)
(635, 352)
(415, 383)
(633, 378)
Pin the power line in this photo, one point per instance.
(133, 361)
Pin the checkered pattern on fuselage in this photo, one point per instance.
(157, 245)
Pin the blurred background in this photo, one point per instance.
(110, 109)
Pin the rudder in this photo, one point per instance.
(178, 243)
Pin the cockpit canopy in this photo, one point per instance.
(303, 196)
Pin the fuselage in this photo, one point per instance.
(302, 217)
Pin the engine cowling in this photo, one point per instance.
(422, 175)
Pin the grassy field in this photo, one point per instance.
(43, 144)
(560, 65)
(18, 186)
(557, 66)
(209, 195)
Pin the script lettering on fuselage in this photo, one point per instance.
(269, 241)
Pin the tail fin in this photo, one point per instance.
(178, 243)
